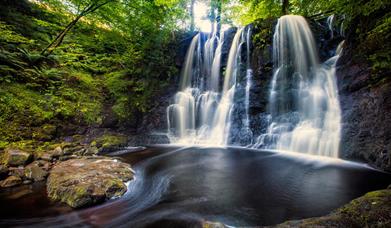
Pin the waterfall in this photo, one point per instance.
(330, 24)
(246, 134)
(303, 102)
(201, 113)
(249, 74)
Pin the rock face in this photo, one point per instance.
(87, 181)
(16, 157)
(371, 210)
(365, 99)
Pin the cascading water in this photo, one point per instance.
(200, 113)
(330, 24)
(242, 101)
(249, 74)
(303, 104)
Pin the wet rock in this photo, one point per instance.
(57, 152)
(82, 182)
(45, 165)
(46, 157)
(35, 171)
(11, 181)
(3, 172)
(147, 139)
(17, 171)
(69, 150)
(15, 157)
(371, 210)
(22, 191)
(27, 182)
(51, 155)
(110, 142)
(127, 150)
(92, 150)
(68, 157)
(208, 224)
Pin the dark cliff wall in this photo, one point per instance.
(262, 66)
(364, 83)
(366, 114)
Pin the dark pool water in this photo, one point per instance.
(179, 187)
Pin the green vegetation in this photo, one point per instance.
(109, 141)
(367, 25)
(112, 61)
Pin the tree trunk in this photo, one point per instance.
(218, 17)
(285, 7)
(60, 37)
(192, 16)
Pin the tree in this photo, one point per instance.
(90, 7)
(216, 13)
(192, 15)
(285, 7)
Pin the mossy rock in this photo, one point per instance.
(87, 181)
(15, 157)
(370, 210)
(110, 142)
(45, 133)
(11, 181)
(35, 171)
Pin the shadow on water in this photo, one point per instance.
(179, 187)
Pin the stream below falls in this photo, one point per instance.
(180, 187)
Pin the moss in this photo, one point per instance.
(115, 188)
(109, 141)
(77, 197)
(263, 32)
(15, 157)
(2, 157)
(371, 210)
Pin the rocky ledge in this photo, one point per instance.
(371, 210)
(88, 180)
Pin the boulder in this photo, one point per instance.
(15, 157)
(57, 152)
(73, 149)
(371, 210)
(46, 156)
(16, 171)
(35, 171)
(87, 181)
(109, 142)
(11, 181)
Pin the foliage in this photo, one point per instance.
(116, 58)
(244, 12)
